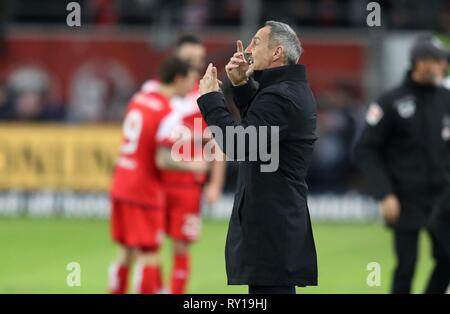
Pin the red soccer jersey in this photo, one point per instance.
(186, 108)
(136, 177)
(185, 112)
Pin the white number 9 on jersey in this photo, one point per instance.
(131, 129)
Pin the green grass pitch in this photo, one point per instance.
(35, 253)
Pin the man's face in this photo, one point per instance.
(433, 70)
(193, 53)
(185, 84)
(260, 55)
(29, 105)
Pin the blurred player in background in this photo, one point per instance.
(184, 189)
(137, 195)
(404, 151)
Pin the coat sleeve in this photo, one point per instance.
(447, 122)
(371, 146)
(267, 118)
(243, 95)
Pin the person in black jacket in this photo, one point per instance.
(270, 244)
(404, 151)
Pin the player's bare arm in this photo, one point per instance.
(165, 161)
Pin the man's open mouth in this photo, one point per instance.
(249, 58)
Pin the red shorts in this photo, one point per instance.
(137, 226)
(183, 212)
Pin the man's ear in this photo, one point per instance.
(277, 54)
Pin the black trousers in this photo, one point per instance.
(271, 289)
(406, 243)
(440, 277)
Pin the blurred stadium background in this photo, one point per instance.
(63, 91)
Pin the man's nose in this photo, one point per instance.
(248, 49)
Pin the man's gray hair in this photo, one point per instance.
(283, 35)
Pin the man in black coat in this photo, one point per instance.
(404, 151)
(270, 244)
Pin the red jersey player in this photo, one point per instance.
(184, 189)
(137, 196)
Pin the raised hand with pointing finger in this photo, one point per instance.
(238, 67)
(209, 82)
